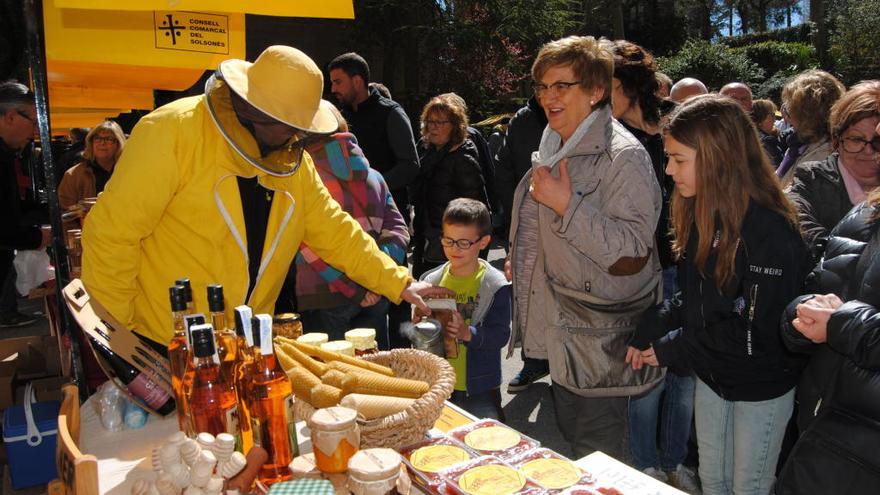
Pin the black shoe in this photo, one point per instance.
(16, 320)
(530, 373)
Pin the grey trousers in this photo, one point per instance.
(590, 424)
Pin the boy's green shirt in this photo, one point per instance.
(467, 294)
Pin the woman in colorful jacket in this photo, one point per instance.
(218, 188)
(328, 300)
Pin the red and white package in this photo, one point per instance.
(554, 472)
(427, 459)
(488, 475)
(490, 437)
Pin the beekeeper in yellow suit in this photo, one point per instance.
(217, 188)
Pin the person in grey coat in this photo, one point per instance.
(583, 261)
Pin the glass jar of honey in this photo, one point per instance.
(335, 438)
(363, 340)
(287, 325)
(373, 472)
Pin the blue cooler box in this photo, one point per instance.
(30, 433)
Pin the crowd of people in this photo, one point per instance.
(675, 256)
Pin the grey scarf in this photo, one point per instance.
(551, 150)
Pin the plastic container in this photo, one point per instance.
(427, 459)
(490, 437)
(488, 475)
(553, 471)
(30, 433)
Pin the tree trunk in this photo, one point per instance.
(616, 8)
(730, 21)
(820, 31)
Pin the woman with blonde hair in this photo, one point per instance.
(86, 179)
(742, 260)
(808, 99)
(450, 169)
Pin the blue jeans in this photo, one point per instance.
(336, 321)
(675, 423)
(739, 442)
(675, 416)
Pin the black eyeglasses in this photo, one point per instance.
(32, 119)
(104, 139)
(556, 89)
(462, 244)
(856, 145)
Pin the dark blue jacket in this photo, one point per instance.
(490, 328)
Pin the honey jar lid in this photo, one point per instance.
(340, 346)
(374, 464)
(333, 418)
(313, 338)
(362, 338)
(283, 318)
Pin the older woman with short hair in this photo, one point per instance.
(450, 169)
(824, 191)
(86, 179)
(808, 99)
(583, 258)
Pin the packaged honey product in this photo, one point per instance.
(489, 437)
(373, 472)
(287, 325)
(335, 438)
(343, 347)
(553, 471)
(363, 340)
(488, 475)
(426, 459)
(313, 338)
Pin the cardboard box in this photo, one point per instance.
(44, 389)
(7, 377)
(37, 356)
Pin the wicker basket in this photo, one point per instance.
(410, 425)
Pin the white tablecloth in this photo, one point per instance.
(124, 457)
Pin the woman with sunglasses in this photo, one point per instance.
(86, 179)
(450, 168)
(824, 191)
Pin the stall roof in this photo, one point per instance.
(105, 57)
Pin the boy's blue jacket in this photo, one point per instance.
(490, 328)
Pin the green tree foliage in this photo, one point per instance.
(855, 41)
(714, 64)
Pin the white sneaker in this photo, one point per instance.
(657, 474)
(685, 479)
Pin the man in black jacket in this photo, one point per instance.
(19, 228)
(382, 128)
(384, 133)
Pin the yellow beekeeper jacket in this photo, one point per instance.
(173, 210)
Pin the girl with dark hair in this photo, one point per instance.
(634, 102)
(742, 259)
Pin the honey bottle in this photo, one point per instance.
(271, 398)
(211, 399)
(243, 371)
(226, 341)
(178, 355)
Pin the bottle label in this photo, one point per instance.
(151, 393)
(257, 431)
(232, 422)
(291, 425)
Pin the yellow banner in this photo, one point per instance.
(183, 40)
(331, 9)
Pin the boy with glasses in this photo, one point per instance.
(481, 323)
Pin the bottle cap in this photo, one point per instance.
(215, 298)
(202, 340)
(178, 298)
(243, 328)
(187, 288)
(262, 332)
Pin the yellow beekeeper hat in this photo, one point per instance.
(285, 84)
